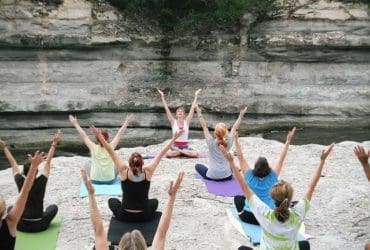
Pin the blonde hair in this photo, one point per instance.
(132, 241)
(220, 133)
(282, 193)
(2, 208)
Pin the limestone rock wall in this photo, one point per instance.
(309, 67)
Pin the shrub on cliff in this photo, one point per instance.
(199, 15)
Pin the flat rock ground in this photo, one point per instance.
(339, 217)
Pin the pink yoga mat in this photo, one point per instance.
(229, 188)
(152, 154)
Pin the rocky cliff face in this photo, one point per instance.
(309, 67)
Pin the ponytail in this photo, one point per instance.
(220, 133)
(282, 193)
(282, 211)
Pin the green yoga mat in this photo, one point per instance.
(46, 240)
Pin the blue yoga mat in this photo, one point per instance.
(113, 189)
(251, 231)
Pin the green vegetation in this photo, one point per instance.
(199, 15)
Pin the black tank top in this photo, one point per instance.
(7, 241)
(135, 194)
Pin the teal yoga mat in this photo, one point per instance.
(45, 240)
(113, 189)
(253, 232)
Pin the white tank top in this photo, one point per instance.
(184, 137)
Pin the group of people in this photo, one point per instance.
(266, 201)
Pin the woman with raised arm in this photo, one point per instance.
(281, 224)
(181, 145)
(9, 221)
(101, 170)
(260, 179)
(219, 169)
(132, 240)
(363, 157)
(135, 183)
(34, 218)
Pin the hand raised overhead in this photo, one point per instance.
(95, 131)
(72, 119)
(2, 144)
(243, 111)
(325, 152)
(37, 158)
(174, 186)
(129, 118)
(197, 92)
(87, 181)
(361, 154)
(160, 92)
(57, 135)
(290, 135)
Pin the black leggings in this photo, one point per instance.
(121, 214)
(245, 216)
(202, 170)
(303, 245)
(39, 225)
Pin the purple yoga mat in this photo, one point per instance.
(229, 188)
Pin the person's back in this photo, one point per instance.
(277, 234)
(135, 193)
(261, 179)
(218, 166)
(35, 202)
(102, 166)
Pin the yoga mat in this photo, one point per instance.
(118, 228)
(250, 231)
(103, 189)
(45, 240)
(229, 188)
(152, 154)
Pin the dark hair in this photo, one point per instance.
(26, 167)
(105, 134)
(136, 163)
(261, 167)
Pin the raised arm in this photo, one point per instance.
(164, 223)
(243, 163)
(51, 152)
(18, 207)
(12, 162)
(279, 163)
(153, 165)
(118, 163)
(170, 117)
(237, 122)
(248, 193)
(189, 117)
(363, 157)
(82, 133)
(202, 122)
(315, 178)
(120, 132)
(101, 242)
